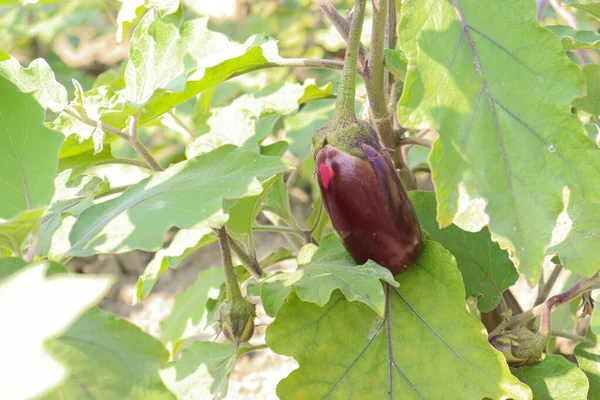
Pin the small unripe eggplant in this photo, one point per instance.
(237, 320)
(368, 205)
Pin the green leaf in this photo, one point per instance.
(72, 196)
(29, 153)
(500, 99)
(214, 59)
(108, 358)
(591, 102)
(278, 201)
(322, 271)
(572, 39)
(486, 269)
(434, 343)
(14, 231)
(10, 265)
(37, 79)
(184, 243)
(129, 13)
(300, 128)
(395, 61)
(28, 370)
(244, 211)
(188, 317)
(202, 372)
(281, 254)
(186, 194)
(155, 58)
(554, 378)
(591, 7)
(588, 358)
(233, 125)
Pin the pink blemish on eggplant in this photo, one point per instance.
(326, 173)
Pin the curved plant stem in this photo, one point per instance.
(572, 336)
(341, 25)
(546, 287)
(115, 190)
(280, 229)
(390, 42)
(97, 124)
(124, 161)
(543, 310)
(414, 140)
(344, 105)
(304, 63)
(139, 147)
(251, 264)
(232, 287)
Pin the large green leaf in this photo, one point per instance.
(588, 358)
(202, 372)
(28, 152)
(37, 79)
(300, 128)
(14, 231)
(108, 358)
(572, 39)
(498, 89)
(591, 7)
(486, 269)
(233, 125)
(184, 195)
(591, 102)
(184, 242)
(27, 368)
(324, 269)
(554, 378)
(188, 317)
(155, 58)
(428, 347)
(71, 197)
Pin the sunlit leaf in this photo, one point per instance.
(429, 346)
(28, 152)
(28, 370)
(498, 89)
(184, 195)
(554, 378)
(486, 269)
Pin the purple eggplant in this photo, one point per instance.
(368, 206)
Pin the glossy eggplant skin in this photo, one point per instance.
(369, 207)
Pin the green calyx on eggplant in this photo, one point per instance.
(368, 206)
(237, 320)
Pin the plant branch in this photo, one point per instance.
(390, 42)
(577, 290)
(189, 132)
(139, 148)
(251, 264)
(572, 336)
(305, 63)
(97, 124)
(544, 309)
(125, 161)
(232, 286)
(344, 105)
(280, 229)
(374, 83)
(117, 189)
(341, 25)
(546, 287)
(414, 140)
